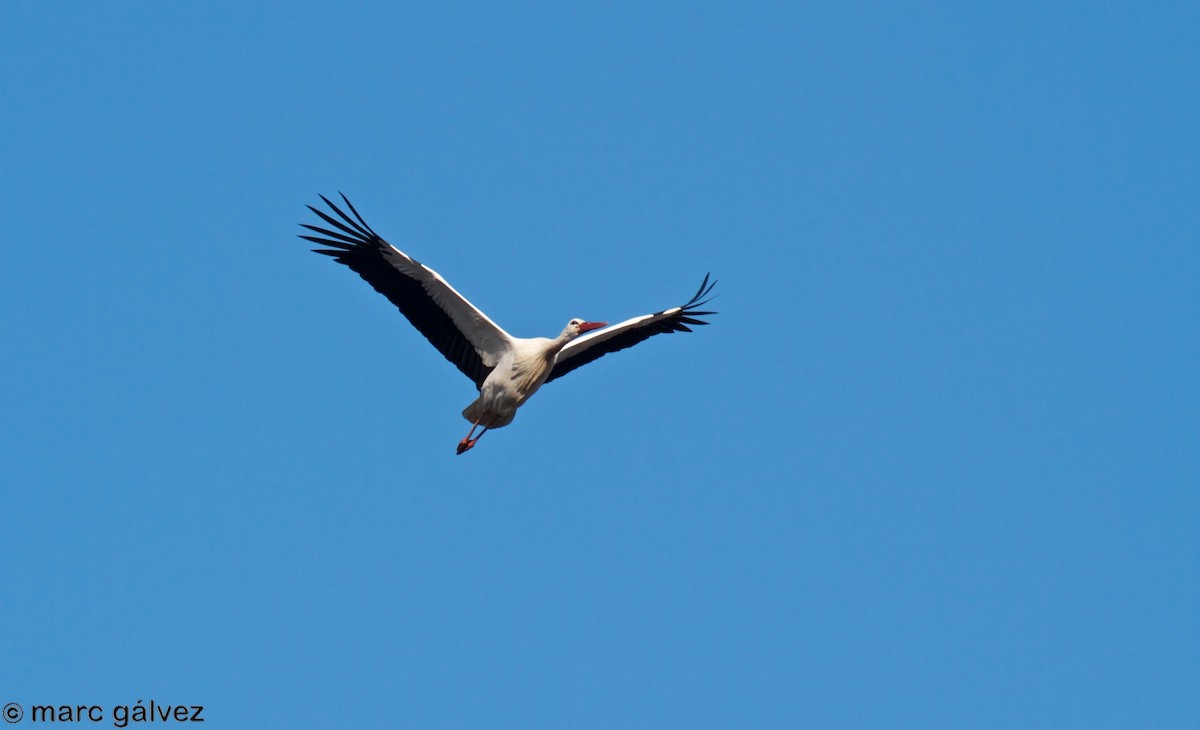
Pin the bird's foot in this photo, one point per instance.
(465, 445)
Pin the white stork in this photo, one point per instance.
(505, 369)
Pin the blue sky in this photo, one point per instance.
(934, 465)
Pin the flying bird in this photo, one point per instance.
(506, 370)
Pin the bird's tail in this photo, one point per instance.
(474, 412)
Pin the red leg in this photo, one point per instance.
(467, 441)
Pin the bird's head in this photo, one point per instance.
(578, 326)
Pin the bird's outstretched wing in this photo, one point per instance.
(462, 333)
(597, 344)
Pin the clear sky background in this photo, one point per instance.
(934, 465)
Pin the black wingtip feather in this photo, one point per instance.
(355, 229)
(691, 309)
(356, 215)
(334, 236)
(351, 230)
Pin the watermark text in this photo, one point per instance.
(119, 715)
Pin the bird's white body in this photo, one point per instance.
(519, 373)
(507, 370)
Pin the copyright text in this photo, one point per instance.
(120, 715)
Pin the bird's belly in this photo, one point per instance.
(524, 378)
(506, 390)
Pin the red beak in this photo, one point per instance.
(589, 326)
